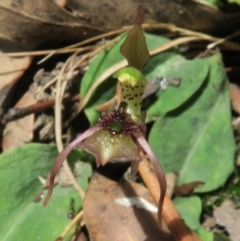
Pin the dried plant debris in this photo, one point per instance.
(229, 217)
(128, 206)
(72, 21)
(195, 15)
(19, 132)
(41, 21)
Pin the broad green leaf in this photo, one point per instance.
(192, 74)
(102, 62)
(196, 139)
(20, 217)
(190, 209)
(216, 3)
(234, 1)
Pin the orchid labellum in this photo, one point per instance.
(120, 134)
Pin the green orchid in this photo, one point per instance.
(120, 134)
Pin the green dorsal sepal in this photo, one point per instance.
(132, 84)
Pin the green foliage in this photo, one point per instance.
(191, 217)
(234, 1)
(20, 217)
(216, 3)
(196, 139)
(192, 74)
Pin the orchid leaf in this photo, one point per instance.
(190, 209)
(108, 58)
(196, 139)
(20, 217)
(192, 74)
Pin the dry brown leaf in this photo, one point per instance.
(106, 219)
(37, 22)
(187, 188)
(229, 217)
(11, 69)
(19, 132)
(192, 14)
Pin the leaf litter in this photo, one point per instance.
(115, 208)
(19, 132)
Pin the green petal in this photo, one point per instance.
(106, 147)
(134, 48)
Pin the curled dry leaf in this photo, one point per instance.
(187, 188)
(19, 132)
(110, 214)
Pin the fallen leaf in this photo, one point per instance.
(229, 217)
(125, 211)
(41, 21)
(19, 132)
(194, 15)
(72, 20)
(11, 69)
(187, 188)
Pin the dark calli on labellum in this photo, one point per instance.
(120, 134)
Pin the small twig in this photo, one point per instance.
(178, 228)
(70, 225)
(220, 41)
(172, 44)
(76, 65)
(14, 114)
(87, 41)
(44, 52)
(58, 131)
(63, 69)
(170, 27)
(202, 36)
(94, 52)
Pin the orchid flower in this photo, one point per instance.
(120, 134)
